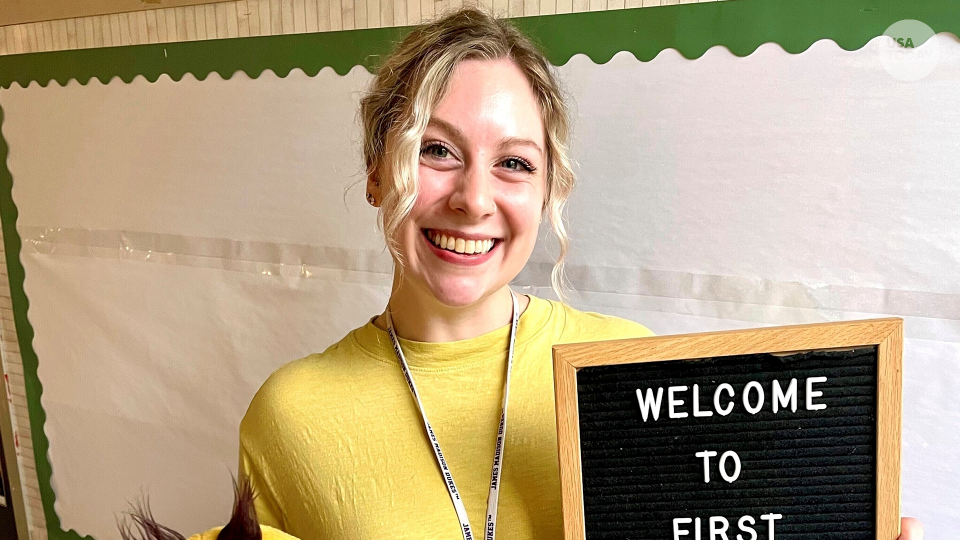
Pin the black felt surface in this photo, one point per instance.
(816, 468)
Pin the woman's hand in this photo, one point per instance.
(911, 529)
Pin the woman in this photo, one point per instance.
(465, 137)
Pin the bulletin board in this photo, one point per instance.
(181, 219)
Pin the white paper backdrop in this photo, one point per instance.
(183, 240)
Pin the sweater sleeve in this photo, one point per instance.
(587, 326)
(265, 503)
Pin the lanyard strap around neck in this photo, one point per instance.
(494, 496)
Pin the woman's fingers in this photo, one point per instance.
(911, 529)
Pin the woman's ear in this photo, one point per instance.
(374, 193)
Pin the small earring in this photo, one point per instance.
(371, 200)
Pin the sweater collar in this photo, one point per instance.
(425, 356)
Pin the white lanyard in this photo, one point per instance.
(494, 494)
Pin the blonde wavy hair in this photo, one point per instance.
(410, 83)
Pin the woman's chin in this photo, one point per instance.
(459, 300)
(460, 295)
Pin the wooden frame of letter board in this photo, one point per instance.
(886, 334)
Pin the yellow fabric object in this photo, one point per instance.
(268, 532)
(336, 449)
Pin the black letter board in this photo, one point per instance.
(786, 432)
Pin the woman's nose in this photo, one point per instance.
(473, 195)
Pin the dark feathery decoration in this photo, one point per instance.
(138, 522)
(243, 523)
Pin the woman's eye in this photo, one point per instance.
(436, 150)
(517, 164)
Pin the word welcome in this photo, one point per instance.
(753, 399)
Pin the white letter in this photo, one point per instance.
(706, 455)
(812, 394)
(696, 534)
(673, 402)
(723, 469)
(649, 403)
(771, 518)
(677, 533)
(696, 404)
(747, 528)
(789, 398)
(746, 397)
(715, 530)
(716, 399)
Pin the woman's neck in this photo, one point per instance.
(419, 317)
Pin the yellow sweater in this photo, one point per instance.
(335, 447)
(267, 533)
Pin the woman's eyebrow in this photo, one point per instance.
(458, 138)
(511, 141)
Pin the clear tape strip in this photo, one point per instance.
(260, 257)
(745, 290)
(683, 315)
(732, 297)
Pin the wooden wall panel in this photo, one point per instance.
(16, 391)
(24, 11)
(244, 18)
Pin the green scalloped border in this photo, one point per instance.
(740, 25)
(691, 29)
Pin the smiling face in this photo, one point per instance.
(481, 186)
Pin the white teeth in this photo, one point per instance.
(460, 245)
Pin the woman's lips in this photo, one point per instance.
(458, 242)
(467, 250)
